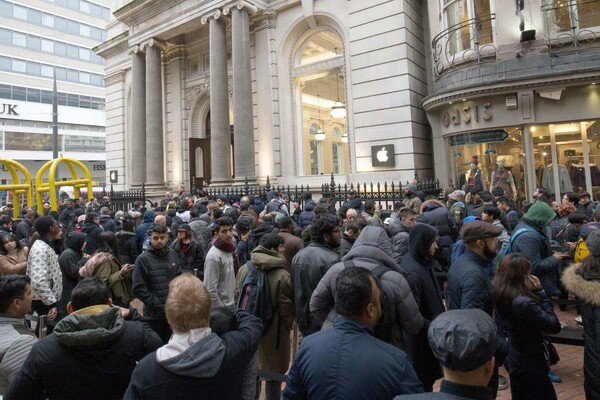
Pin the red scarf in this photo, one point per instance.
(229, 248)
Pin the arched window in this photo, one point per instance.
(318, 67)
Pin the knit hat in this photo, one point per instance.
(411, 187)
(593, 243)
(457, 195)
(540, 213)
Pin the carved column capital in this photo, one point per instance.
(117, 77)
(240, 5)
(265, 20)
(213, 14)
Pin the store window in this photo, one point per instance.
(577, 14)
(469, 23)
(322, 106)
(491, 160)
(574, 148)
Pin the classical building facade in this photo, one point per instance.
(39, 38)
(294, 90)
(517, 93)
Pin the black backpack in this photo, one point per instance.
(383, 329)
(255, 296)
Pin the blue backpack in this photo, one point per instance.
(255, 296)
(508, 248)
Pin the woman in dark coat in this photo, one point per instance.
(70, 260)
(419, 266)
(528, 314)
(583, 280)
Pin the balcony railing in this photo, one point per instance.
(461, 45)
(571, 24)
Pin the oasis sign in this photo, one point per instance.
(467, 114)
(9, 109)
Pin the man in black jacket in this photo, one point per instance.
(419, 266)
(91, 353)
(311, 263)
(196, 363)
(153, 271)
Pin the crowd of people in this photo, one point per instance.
(208, 297)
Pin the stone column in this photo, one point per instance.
(155, 171)
(138, 117)
(220, 140)
(243, 118)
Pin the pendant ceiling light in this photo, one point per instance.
(320, 135)
(339, 109)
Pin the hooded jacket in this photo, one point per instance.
(108, 223)
(107, 268)
(93, 231)
(305, 218)
(211, 368)
(586, 286)
(435, 213)
(70, 260)
(127, 247)
(536, 246)
(274, 345)
(151, 276)
(16, 341)
(372, 249)
(143, 228)
(419, 267)
(91, 355)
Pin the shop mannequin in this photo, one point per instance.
(502, 178)
(474, 179)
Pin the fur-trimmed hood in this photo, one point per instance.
(586, 290)
(90, 266)
(432, 204)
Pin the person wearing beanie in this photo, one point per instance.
(411, 199)
(529, 238)
(457, 207)
(583, 281)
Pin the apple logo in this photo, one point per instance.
(382, 155)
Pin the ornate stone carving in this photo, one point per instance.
(216, 14)
(240, 5)
(192, 94)
(265, 20)
(337, 62)
(174, 53)
(114, 78)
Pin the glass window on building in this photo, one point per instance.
(48, 20)
(19, 93)
(85, 54)
(19, 12)
(27, 141)
(61, 73)
(5, 92)
(34, 43)
(47, 71)
(579, 14)
(34, 68)
(322, 108)
(5, 63)
(491, 160)
(48, 45)
(5, 36)
(19, 39)
(60, 49)
(72, 75)
(72, 27)
(60, 23)
(72, 51)
(19, 66)
(84, 7)
(6, 9)
(34, 95)
(85, 30)
(87, 144)
(34, 16)
(468, 22)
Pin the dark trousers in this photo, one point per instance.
(528, 386)
(161, 327)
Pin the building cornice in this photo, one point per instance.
(112, 46)
(436, 100)
(117, 77)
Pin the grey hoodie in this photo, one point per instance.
(202, 359)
